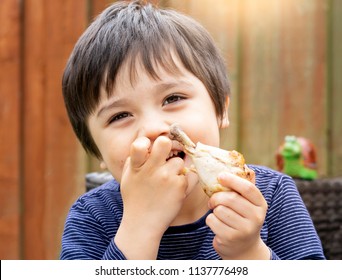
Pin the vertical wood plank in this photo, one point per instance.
(34, 146)
(259, 82)
(10, 233)
(335, 88)
(303, 59)
(53, 167)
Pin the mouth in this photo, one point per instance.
(175, 153)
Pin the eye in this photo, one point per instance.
(119, 116)
(172, 99)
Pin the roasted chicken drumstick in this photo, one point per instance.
(209, 161)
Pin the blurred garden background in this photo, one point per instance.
(284, 58)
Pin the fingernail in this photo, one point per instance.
(143, 142)
(222, 176)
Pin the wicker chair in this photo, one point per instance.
(322, 197)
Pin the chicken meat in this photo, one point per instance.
(209, 162)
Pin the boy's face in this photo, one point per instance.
(147, 109)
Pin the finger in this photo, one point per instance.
(229, 217)
(232, 200)
(176, 165)
(218, 227)
(247, 189)
(160, 150)
(139, 151)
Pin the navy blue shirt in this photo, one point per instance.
(288, 230)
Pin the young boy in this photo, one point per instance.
(135, 71)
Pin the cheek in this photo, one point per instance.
(205, 131)
(113, 146)
(115, 167)
(114, 156)
(212, 138)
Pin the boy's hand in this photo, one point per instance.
(237, 218)
(153, 190)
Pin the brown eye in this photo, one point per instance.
(119, 116)
(172, 99)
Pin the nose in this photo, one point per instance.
(152, 127)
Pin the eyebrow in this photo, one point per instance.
(111, 105)
(162, 87)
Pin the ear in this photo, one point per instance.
(224, 123)
(103, 165)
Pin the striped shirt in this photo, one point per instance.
(288, 230)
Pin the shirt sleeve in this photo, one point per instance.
(273, 256)
(291, 233)
(113, 252)
(85, 238)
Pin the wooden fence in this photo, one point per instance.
(285, 64)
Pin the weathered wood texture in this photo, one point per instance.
(10, 116)
(51, 166)
(284, 60)
(335, 89)
(42, 168)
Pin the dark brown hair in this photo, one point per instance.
(125, 32)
